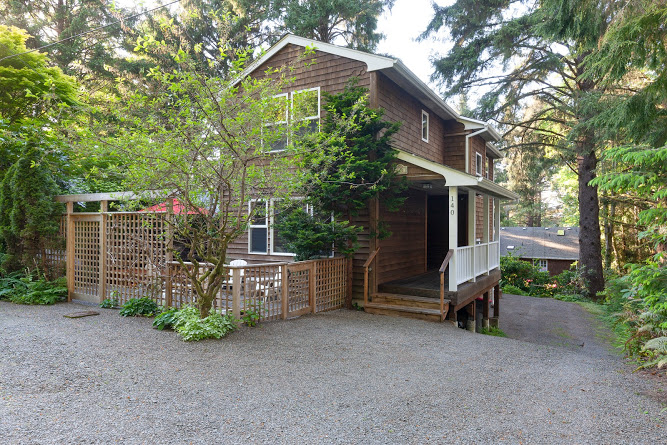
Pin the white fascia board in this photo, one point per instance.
(490, 146)
(474, 124)
(452, 176)
(457, 178)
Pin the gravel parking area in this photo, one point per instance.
(340, 377)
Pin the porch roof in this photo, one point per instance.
(438, 177)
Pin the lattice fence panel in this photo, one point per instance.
(136, 256)
(330, 284)
(55, 254)
(86, 257)
(298, 289)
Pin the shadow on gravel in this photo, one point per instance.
(551, 322)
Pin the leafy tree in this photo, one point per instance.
(328, 20)
(541, 50)
(30, 87)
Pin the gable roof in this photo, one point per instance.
(393, 69)
(542, 243)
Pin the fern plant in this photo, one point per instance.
(656, 349)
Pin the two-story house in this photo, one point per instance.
(452, 203)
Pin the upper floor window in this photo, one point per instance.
(301, 107)
(542, 264)
(425, 124)
(479, 164)
(306, 109)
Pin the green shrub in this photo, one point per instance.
(109, 303)
(250, 318)
(569, 297)
(191, 327)
(26, 288)
(166, 319)
(139, 307)
(509, 289)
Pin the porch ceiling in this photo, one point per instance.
(435, 178)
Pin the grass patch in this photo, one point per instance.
(493, 331)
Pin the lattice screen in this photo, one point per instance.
(330, 284)
(86, 256)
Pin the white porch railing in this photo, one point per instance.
(481, 259)
(494, 255)
(472, 261)
(464, 266)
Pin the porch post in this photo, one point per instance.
(453, 235)
(485, 231)
(472, 230)
(496, 235)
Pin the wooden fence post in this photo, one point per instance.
(312, 288)
(69, 250)
(236, 293)
(348, 290)
(104, 207)
(169, 255)
(285, 285)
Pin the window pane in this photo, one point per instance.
(306, 104)
(259, 215)
(258, 240)
(424, 126)
(309, 126)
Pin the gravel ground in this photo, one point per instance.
(340, 377)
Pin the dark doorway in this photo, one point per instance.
(437, 241)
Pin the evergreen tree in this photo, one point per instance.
(327, 20)
(29, 216)
(536, 50)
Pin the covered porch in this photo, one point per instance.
(459, 257)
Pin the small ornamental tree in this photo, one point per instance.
(207, 142)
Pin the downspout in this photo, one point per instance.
(468, 147)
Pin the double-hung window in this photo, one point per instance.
(258, 227)
(306, 110)
(278, 213)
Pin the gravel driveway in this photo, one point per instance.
(341, 377)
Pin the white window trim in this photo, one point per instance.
(538, 263)
(257, 226)
(479, 167)
(319, 104)
(428, 125)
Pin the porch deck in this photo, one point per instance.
(428, 285)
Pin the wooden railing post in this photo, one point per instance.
(69, 250)
(367, 264)
(285, 287)
(443, 267)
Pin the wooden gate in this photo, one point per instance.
(84, 264)
(300, 288)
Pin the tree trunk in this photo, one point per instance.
(590, 246)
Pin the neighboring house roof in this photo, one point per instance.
(542, 243)
(392, 68)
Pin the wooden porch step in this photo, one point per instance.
(405, 311)
(407, 300)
